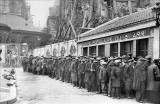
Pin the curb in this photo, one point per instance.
(13, 96)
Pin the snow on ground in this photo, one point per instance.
(34, 89)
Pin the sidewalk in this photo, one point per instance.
(8, 94)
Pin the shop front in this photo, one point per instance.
(138, 43)
(136, 34)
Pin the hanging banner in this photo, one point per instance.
(48, 51)
(72, 48)
(43, 51)
(62, 49)
(55, 50)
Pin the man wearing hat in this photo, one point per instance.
(87, 74)
(115, 78)
(140, 76)
(128, 77)
(101, 77)
(81, 72)
(153, 82)
(93, 79)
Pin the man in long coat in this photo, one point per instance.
(140, 76)
(81, 72)
(153, 83)
(115, 78)
(87, 75)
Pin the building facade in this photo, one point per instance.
(16, 7)
(136, 33)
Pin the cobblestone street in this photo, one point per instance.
(35, 89)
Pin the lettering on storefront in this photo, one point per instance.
(120, 37)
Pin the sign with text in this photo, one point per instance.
(119, 37)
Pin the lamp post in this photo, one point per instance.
(0, 54)
(156, 10)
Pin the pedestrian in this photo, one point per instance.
(153, 82)
(115, 78)
(81, 72)
(101, 76)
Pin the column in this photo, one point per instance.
(107, 50)
(134, 48)
(156, 43)
(88, 51)
(119, 49)
(96, 50)
(150, 46)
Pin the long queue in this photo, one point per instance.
(117, 77)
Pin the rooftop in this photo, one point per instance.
(118, 23)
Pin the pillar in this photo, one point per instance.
(119, 49)
(150, 46)
(107, 50)
(156, 43)
(134, 48)
(88, 51)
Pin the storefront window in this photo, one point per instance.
(85, 51)
(126, 47)
(101, 50)
(142, 47)
(92, 51)
(114, 49)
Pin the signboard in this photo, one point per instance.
(72, 48)
(54, 50)
(62, 49)
(48, 51)
(119, 37)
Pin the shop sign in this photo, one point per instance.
(120, 37)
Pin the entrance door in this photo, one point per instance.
(92, 51)
(101, 50)
(85, 51)
(114, 49)
(142, 47)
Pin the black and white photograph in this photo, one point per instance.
(79, 51)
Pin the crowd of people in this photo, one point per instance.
(117, 77)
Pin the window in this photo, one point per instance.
(126, 47)
(142, 47)
(92, 51)
(101, 50)
(114, 49)
(85, 51)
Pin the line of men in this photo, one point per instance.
(116, 77)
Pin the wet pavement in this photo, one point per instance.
(37, 89)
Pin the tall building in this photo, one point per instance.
(16, 7)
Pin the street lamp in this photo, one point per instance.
(0, 54)
(156, 10)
